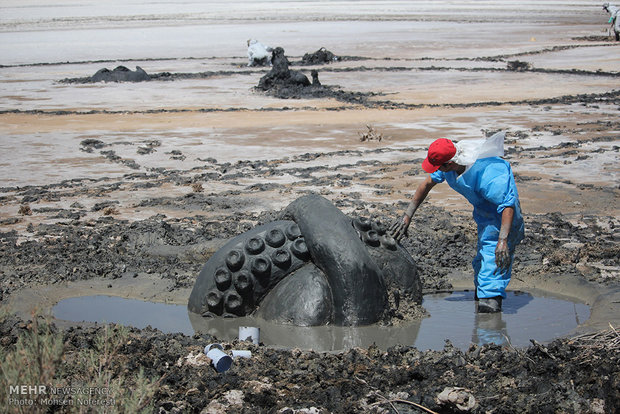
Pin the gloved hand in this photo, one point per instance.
(399, 228)
(502, 255)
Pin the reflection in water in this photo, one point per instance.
(131, 312)
(490, 328)
(453, 317)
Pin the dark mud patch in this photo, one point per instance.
(323, 92)
(594, 38)
(169, 76)
(109, 247)
(321, 56)
(576, 375)
(511, 66)
(118, 74)
(352, 100)
(542, 51)
(89, 62)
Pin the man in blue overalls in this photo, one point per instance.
(488, 184)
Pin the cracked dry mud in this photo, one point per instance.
(108, 183)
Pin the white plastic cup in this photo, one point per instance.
(211, 346)
(249, 333)
(241, 353)
(220, 359)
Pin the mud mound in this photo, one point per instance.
(594, 38)
(284, 83)
(118, 74)
(320, 56)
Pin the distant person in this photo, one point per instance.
(473, 168)
(613, 18)
(258, 53)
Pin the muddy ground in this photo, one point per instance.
(575, 374)
(127, 189)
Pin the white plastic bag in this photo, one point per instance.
(470, 150)
(258, 52)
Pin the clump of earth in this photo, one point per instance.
(118, 74)
(320, 56)
(286, 83)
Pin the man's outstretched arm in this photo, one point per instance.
(399, 228)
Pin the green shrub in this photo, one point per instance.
(38, 358)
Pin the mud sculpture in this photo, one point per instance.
(120, 74)
(315, 266)
(320, 56)
(280, 73)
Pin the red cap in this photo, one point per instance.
(439, 152)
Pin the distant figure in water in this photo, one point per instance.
(474, 169)
(613, 18)
(258, 53)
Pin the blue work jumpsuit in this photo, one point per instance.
(489, 186)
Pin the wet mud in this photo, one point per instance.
(320, 56)
(575, 374)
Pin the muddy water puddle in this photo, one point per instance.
(452, 317)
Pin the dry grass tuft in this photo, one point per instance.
(25, 210)
(371, 135)
(607, 340)
(110, 211)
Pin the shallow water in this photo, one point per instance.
(453, 318)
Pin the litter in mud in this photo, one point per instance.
(220, 360)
